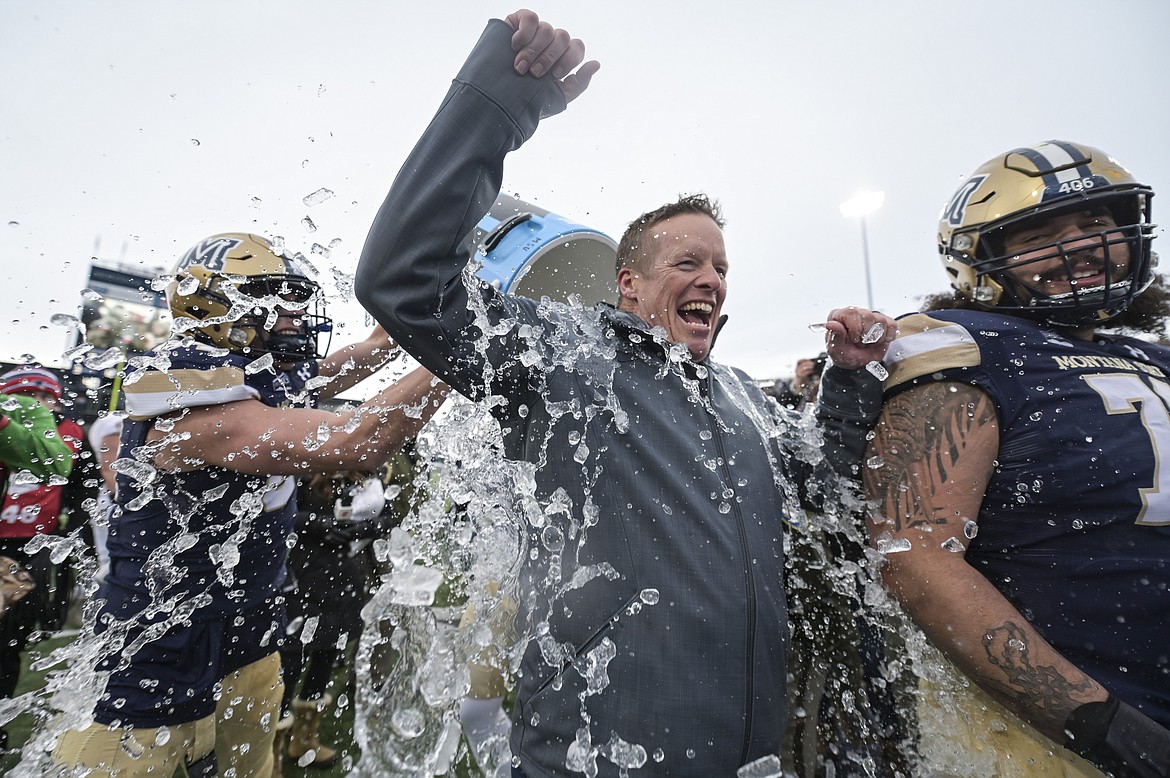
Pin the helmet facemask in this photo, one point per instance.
(1098, 272)
(264, 302)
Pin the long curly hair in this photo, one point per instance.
(1146, 315)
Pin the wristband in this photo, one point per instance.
(1119, 739)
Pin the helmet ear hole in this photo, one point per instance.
(983, 294)
(239, 336)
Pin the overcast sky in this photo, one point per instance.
(130, 130)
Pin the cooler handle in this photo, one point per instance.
(493, 238)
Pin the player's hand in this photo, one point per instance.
(854, 337)
(541, 48)
(383, 344)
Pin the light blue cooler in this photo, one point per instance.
(526, 250)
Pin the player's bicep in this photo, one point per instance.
(929, 462)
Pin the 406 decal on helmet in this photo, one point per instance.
(1004, 243)
(235, 291)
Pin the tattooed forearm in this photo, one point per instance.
(919, 438)
(938, 445)
(1048, 694)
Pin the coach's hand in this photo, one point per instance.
(541, 48)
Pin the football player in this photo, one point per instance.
(1016, 493)
(217, 430)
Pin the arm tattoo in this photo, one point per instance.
(1047, 693)
(919, 438)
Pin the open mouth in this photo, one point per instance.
(697, 313)
(1084, 276)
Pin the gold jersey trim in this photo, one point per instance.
(926, 345)
(158, 393)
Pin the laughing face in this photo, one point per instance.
(680, 282)
(1088, 255)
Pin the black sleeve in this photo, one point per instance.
(1119, 739)
(849, 404)
(410, 276)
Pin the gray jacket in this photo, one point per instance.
(675, 476)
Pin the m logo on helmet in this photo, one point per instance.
(957, 208)
(209, 253)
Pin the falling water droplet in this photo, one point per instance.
(188, 285)
(318, 197)
(888, 545)
(764, 767)
(878, 370)
(874, 333)
(954, 545)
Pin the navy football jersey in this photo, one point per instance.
(1074, 528)
(210, 533)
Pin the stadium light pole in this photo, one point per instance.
(859, 206)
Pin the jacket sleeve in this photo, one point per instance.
(848, 407)
(29, 439)
(410, 276)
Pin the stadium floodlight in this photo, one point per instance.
(858, 207)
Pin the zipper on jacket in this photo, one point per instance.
(609, 625)
(749, 579)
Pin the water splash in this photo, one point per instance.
(102, 360)
(483, 537)
(188, 284)
(71, 354)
